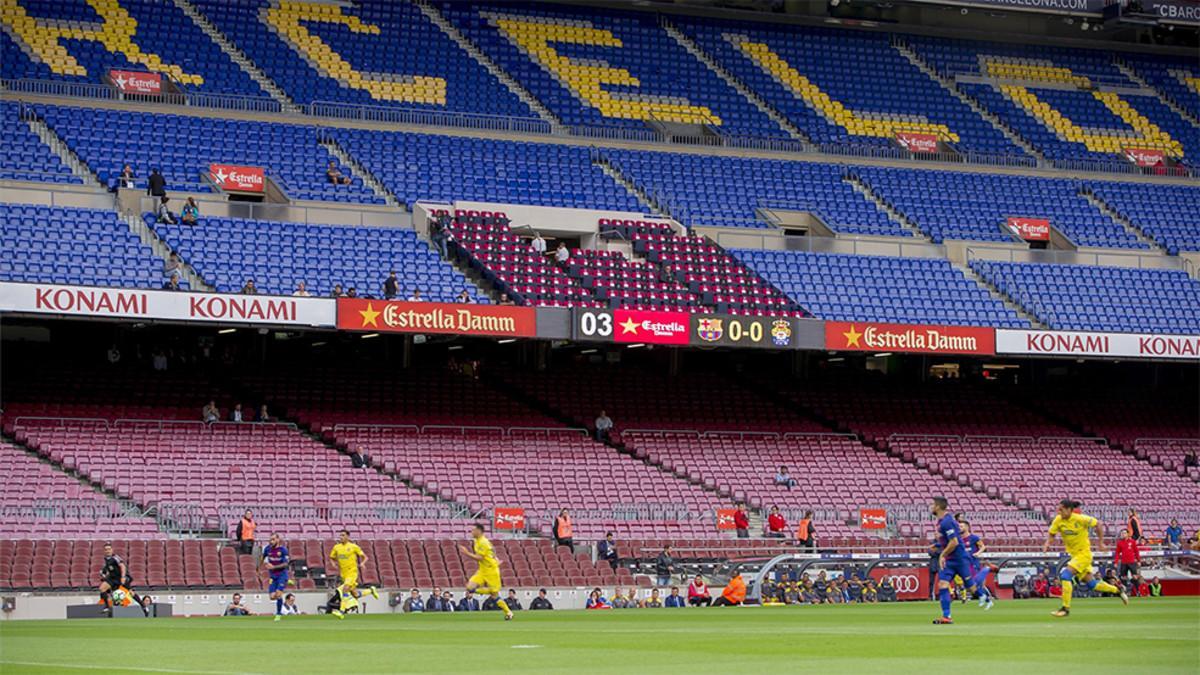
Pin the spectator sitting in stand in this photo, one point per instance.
(468, 603)
(434, 602)
(448, 603)
(301, 290)
(235, 415)
(191, 212)
(263, 415)
(359, 459)
(463, 297)
(664, 566)
(163, 211)
(886, 592)
(413, 603)
(741, 521)
(512, 601)
(126, 179)
(698, 593)
(1174, 536)
(618, 600)
(1190, 459)
(249, 288)
(604, 427)
(607, 550)
(337, 292)
(562, 255)
(172, 266)
(505, 300)
(334, 175)
(172, 284)
(236, 608)
(352, 292)
(416, 296)
(391, 286)
(675, 599)
(734, 593)
(210, 413)
(1155, 588)
(782, 478)
(156, 185)
(541, 601)
(597, 601)
(776, 525)
(654, 601)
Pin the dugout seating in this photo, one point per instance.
(844, 287)
(371, 53)
(226, 252)
(183, 147)
(959, 205)
(25, 156)
(843, 87)
(602, 67)
(725, 191)
(1165, 213)
(65, 245)
(80, 41)
(1086, 297)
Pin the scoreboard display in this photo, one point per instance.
(623, 326)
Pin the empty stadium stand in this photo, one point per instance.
(1156, 210)
(876, 288)
(1085, 297)
(25, 156)
(279, 255)
(64, 245)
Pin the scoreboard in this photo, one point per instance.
(625, 326)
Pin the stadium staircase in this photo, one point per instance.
(238, 57)
(739, 86)
(949, 86)
(1124, 222)
(368, 179)
(613, 171)
(1148, 88)
(60, 148)
(997, 294)
(515, 87)
(865, 190)
(150, 238)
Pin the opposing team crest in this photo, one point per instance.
(781, 332)
(710, 330)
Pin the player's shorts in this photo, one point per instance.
(1082, 564)
(486, 579)
(1127, 569)
(113, 582)
(955, 568)
(278, 582)
(350, 580)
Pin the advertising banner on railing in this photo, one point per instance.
(1030, 229)
(233, 178)
(136, 82)
(94, 301)
(1117, 345)
(624, 326)
(396, 316)
(892, 337)
(508, 518)
(725, 519)
(872, 519)
(911, 583)
(1145, 156)
(917, 142)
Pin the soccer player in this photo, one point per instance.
(486, 579)
(1073, 527)
(113, 575)
(349, 558)
(275, 555)
(979, 569)
(953, 560)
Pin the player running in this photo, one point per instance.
(350, 558)
(275, 555)
(953, 560)
(979, 569)
(114, 576)
(1073, 527)
(487, 579)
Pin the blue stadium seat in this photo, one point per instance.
(25, 156)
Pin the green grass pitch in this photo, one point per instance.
(1016, 638)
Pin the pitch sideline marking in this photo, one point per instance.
(136, 668)
(526, 646)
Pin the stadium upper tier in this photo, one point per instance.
(1083, 297)
(875, 288)
(25, 156)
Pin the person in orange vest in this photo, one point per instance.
(1135, 526)
(734, 593)
(806, 533)
(562, 530)
(245, 533)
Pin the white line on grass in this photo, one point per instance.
(526, 646)
(76, 666)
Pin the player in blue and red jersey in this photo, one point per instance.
(275, 555)
(979, 569)
(954, 559)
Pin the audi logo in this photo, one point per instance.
(904, 583)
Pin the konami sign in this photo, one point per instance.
(136, 82)
(165, 305)
(233, 178)
(1115, 345)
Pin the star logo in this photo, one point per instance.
(852, 337)
(630, 326)
(220, 175)
(121, 81)
(370, 316)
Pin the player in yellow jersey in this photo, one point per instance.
(1073, 527)
(487, 579)
(349, 557)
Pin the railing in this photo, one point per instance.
(463, 429)
(86, 510)
(162, 424)
(645, 511)
(331, 214)
(61, 421)
(397, 115)
(1157, 439)
(1095, 79)
(106, 92)
(1104, 165)
(1111, 257)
